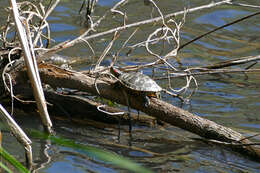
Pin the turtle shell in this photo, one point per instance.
(139, 82)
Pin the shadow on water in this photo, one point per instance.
(230, 100)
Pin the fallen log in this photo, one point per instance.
(57, 77)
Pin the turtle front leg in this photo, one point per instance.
(129, 116)
(146, 101)
(146, 97)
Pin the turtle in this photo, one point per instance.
(138, 84)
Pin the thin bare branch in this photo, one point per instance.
(223, 26)
(85, 35)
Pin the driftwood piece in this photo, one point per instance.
(57, 77)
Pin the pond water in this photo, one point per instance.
(231, 100)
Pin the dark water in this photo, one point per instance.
(231, 100)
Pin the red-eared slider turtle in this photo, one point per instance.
(138, 83)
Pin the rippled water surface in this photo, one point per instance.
(231, 100)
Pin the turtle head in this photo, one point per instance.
(115, 71)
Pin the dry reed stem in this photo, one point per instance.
(33, 73)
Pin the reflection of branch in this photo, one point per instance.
(45, 158)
